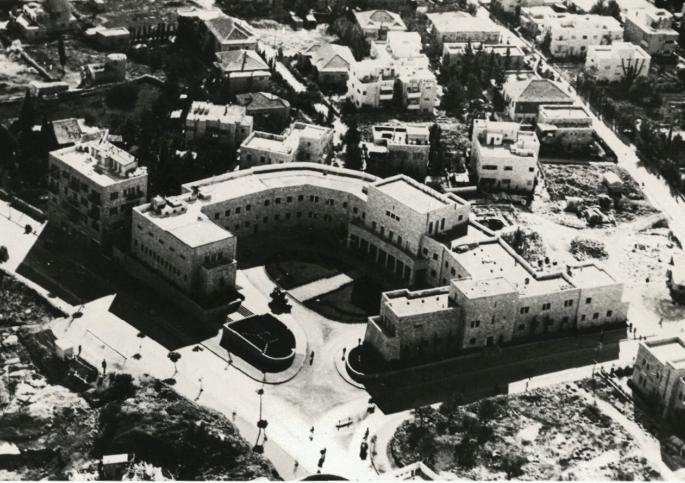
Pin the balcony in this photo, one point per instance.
(134, 195)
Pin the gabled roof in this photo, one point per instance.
(374, 19)
(240, 60)
(330, 56)
(261, 100)
(226, 28)
(537, 90)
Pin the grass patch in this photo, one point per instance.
(354, 302)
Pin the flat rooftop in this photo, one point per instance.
(272, 143)
(194, 228)
(420, 199)
(79, 158)
(476, 288)
(565, 112)
(589, 276)
(669, 350)
(406, 306)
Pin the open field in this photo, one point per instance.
(127, 13)
(20, 305)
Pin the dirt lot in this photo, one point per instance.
(554, 433)
(291, 41)
(563, 181)
(79, 54)
(21, 305)
(126, 13)
(14, 76)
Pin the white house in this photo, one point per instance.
(503, 156)
(613, 62)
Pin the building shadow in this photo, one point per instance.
(79, 274)
(480, 377)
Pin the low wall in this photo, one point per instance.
(246, 350)
(140, 272)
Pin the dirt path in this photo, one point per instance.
(651, 448)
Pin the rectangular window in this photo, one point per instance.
(568, 303)
(237, 210)
(524, 310)
(227, 212)
(609, 313)
(588, 300)
(546, 306)
(266, 202)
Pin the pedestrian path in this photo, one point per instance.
(320, 287)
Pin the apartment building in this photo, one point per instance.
(523, 97)
(395, 67)
(462, 27)
(651, 29)
(398, 149)
(92, 187)
(536, 20)
(224, 124)
(504, 157)
(299, 142)
(213, 31)
(242, 70)
(658, 373)
(614, 62)
(511, 55)
(567, 128)
(572, 35)
(375, 24)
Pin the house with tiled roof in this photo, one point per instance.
(242, 70)
(215, 31)
(269, 112)
(376, 23)
(330, 62)
(524, 97)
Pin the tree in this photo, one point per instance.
(610, 9)
(512, 463)
(436, 155)
(62, 52)
(4, 254)
(27, 117)
(423, 416)
(546, 43)
(353, 153)
(174, 358)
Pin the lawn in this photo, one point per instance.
(354, 302)
(294, 272)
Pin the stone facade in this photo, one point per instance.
(92, 188)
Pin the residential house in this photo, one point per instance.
(113, 38)
(398, 149)
(300, 142)
(375, 24)
(330, 62)
(568, 128)
(242, 70)
(228, 125)
(658, 374)
(571, 35)
(213, 31)
(524, 97)
(652, 29)
(396, 74)
(113, 69)
(269, 112)
(38, 20)
(511, 55)
(616, 61)
(504, 157)
(462, 27)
